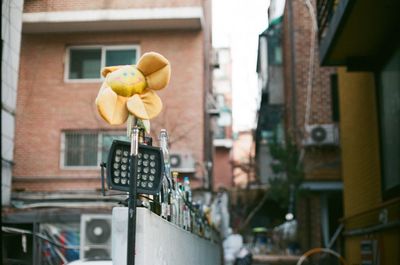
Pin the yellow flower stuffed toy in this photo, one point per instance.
(129, 89)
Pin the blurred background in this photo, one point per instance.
(284, 116)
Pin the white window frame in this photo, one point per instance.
(103, 48)
(99, 149)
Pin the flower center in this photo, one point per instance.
(127, 81)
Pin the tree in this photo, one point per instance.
(289, 170)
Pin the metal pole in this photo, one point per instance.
(132, 198)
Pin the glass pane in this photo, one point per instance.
(89, 152)
(390, 122)
(107, 141)
(219, 132)
(120, 57)
(71, 150)
(278, 55)
(84, 63)
(80, 149)
(224, 118)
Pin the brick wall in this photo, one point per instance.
(321, 96)
(222, 169)
(243, 152)
(288, 70)
(52, 5)
(297, 30)
(47, 105)
(309, 221)
(320, 163)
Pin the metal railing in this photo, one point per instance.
(325, 10)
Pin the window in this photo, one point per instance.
(224, 119)
(87, 149)
(389, 116)
(86, 62)
(275, 46)
(335, 97)
(107, 139)
(219, 132)
(80, 149)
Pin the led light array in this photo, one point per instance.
(149, 168)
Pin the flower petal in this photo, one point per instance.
(111, 107)
(156, 69)
(152, 103)
(109, 69)
(145, 106)
(136, 107)
(160, 79)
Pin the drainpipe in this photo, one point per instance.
(292, 68)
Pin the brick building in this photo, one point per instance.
(359, 38)
(311, 121)
(243, 160)
(222, 138)
(60, 138)
(305, 114)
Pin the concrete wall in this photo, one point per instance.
(160, 242)
(11, 24)
(49, 5)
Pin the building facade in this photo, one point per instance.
(60, 138)
(270, 114)
(11, 21)
(222, 137)
(310, 122)
(361, 39)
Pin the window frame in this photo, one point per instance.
(103, 49)
(386, 193)
(100, 135)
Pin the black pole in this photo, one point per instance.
(131, 248)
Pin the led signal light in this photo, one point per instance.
(149, 168)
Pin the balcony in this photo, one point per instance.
(182, 18)
(356, 34)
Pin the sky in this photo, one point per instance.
(237, 24)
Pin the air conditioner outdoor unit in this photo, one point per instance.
(182, 162)
(321, 134)
(95, 236)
